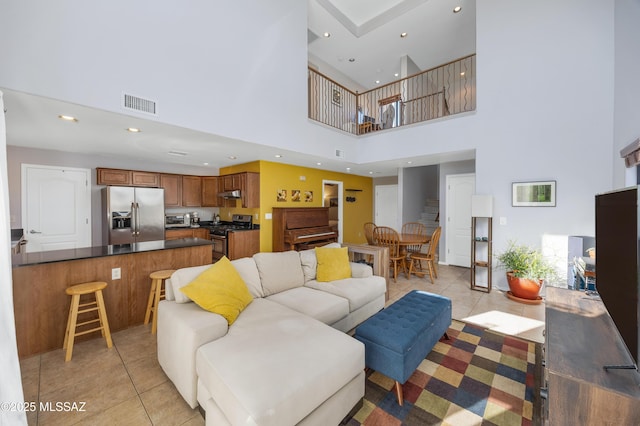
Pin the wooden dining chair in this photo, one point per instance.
(416, 228)
(368, 232)
(429, 257)
(389, 237)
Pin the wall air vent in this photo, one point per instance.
(139, 104)
(339, 153)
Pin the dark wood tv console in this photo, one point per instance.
(581, 338)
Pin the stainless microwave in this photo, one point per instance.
(177, 220)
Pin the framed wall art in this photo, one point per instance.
(533, 194)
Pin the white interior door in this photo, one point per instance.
(56, 207)
(460, 188)
(386, 206)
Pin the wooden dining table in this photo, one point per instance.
(413, 240)
(410, 240)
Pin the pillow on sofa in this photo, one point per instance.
(182, 277)
(220, 289)
(333, 264)
(279, 271)
(310, 263)
(248, 271)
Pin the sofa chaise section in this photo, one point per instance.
(276, 366)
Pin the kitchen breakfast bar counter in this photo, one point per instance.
(41, 305)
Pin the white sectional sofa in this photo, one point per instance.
(286, 359)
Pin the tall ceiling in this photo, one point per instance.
(365, 42)
(366, 30)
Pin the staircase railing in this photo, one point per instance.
(438, 92)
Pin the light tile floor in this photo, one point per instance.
(125, 385)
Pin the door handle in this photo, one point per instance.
(35, 232)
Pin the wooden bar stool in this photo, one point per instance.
(155, 295)
(76, 308)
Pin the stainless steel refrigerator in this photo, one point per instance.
(133, 215)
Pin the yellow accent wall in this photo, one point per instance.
(277, 176)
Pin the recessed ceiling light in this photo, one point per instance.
(206, 164)
(462, 74)
(409, 162)
(377, 81)
(370, 173)
(232, 157)
(133, 130)
(348, 169)
(396, 74)
(278, 156)
(319, 164)
(457, 9)
(68, 118)
(403, 35)
(327, 35)
(352, 59)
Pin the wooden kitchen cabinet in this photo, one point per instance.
(250, 189)
(127, 177)
(149, 179)
(172, 185)
(201, 233)
(113, 177)
(243, 244)
(191, 191)
(249, 185)
(210, 192)
(232, 182)
(223, 202)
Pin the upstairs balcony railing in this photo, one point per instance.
(445, 90)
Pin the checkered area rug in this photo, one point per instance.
(477, 377)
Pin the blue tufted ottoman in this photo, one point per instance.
(399, 337)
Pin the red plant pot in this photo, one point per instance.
(523, 288)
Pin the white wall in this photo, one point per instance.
(627, 89)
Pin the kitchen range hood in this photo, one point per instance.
(230, 194)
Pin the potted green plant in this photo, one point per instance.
(526, 270)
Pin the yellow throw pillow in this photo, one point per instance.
(333, 264)
(220, 289)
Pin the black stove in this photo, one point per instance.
(240, 222)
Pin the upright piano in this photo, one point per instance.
(302, 228)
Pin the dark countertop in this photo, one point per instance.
(27, 259)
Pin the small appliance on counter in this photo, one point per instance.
(195, 220)
(177, 220)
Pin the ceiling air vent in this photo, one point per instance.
(339, 153)
(139, 104)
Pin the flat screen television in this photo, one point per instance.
(617, 251)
